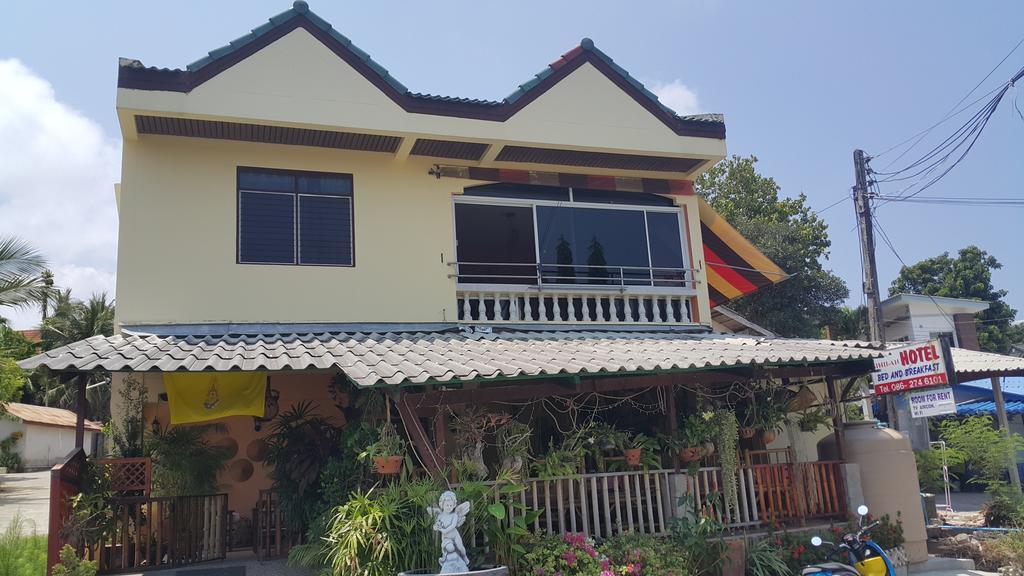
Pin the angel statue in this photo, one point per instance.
(448, 517)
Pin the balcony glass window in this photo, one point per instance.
(509, 236)
(299, 218)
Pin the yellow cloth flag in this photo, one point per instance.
(202, 396)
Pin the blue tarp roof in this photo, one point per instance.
(978, 407)
(1011, 385)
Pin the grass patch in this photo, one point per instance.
(22, 551)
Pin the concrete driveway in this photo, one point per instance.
(28, 495)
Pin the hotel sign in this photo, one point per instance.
(919, 365)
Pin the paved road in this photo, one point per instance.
(28, 495)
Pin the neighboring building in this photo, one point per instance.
(915, 317)
(48, 434)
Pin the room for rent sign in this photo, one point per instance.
(920, 365)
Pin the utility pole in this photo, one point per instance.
(870, 272)
(1004, 425)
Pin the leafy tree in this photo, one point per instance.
(21, 267)
(787, 232)
(12, 379)
(849, 323)
(968, 275)
(72, 320)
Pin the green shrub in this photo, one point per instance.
(71, 565)
(566, 555)
(645, 555)
(929, 468)
(887, 534)
(985, 450)
(1005, 507)
(1007, 550)
(700, 534)
(765, 559)
(21, 553)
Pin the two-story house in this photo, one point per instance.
(290, 210)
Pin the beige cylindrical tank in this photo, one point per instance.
(888, 477)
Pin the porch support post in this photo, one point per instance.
(420, 440)
(837, 417)
(672, 413)
(1004, 426)
(441, 433)
(80, 409)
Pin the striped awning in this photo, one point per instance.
(734, 266)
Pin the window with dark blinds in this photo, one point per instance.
(300, 218)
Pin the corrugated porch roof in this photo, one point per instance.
(417, 357)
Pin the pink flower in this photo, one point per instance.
(605, 565)
(607, 573)
(570, 558)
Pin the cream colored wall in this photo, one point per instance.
(241, 438)
(177, 242)
(586, 110)
(804, 444)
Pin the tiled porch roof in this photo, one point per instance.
(972, 364)
(373, 358)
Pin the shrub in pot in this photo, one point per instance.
(635, 446)
(387, 452)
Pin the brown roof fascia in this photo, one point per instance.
(140, 78)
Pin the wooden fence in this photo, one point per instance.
(645, 501)
(65, 483)
(163, 532)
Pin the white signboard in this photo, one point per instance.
(932, 402)
(921, 365)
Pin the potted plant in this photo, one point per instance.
(771, 415)
(514, 446)
(387, 452)
(634, 447)
(747, 428)
(811, 420)
(695, 434)
(561, 461)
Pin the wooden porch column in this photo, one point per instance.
(837, 417)
(441, 433)
(80, 409)
(420, 440)
(672, 413)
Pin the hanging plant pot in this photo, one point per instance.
(387, 465)
(708, 449)
(633, 456)
(747, 432)
(768, 436)
(690, 454)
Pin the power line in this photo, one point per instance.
(921, 135)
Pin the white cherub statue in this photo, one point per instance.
(448, 517)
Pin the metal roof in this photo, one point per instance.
(974, 363)
(372, 358)
(979, 407)
(47, 416)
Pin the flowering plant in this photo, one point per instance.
(567, 555)
(646, 555)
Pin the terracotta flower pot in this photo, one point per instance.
(690, 454)
(633, 456)
(747, 432)
(387, 464)
(768, 436)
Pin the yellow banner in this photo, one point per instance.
(202, 396)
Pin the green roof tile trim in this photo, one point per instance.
(132, 74)
(298, 8)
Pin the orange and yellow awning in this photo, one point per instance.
(734, 266)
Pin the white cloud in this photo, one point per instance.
(677, 96)
(57, 171)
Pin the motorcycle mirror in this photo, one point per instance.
(862, 510)
(816, 541)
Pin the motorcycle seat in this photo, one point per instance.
(836, 568)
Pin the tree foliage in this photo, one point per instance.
(787, 232)
(21, 267)
(968, 275)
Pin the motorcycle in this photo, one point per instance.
(867, 557)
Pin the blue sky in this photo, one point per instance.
(801, 84)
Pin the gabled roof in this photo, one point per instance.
(47, 416)
(134, 75)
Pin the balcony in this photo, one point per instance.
(526, 293)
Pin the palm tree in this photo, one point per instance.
(71, 320)
(21, 268)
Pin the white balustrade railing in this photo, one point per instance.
(550, 305)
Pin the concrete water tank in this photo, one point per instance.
(888, 477)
